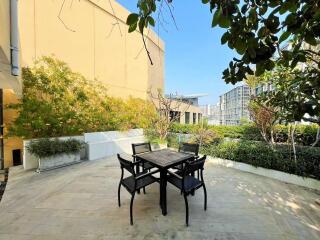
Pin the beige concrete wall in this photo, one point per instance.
(183, 108)
(93, 39)
(191, 109)
(10, 143)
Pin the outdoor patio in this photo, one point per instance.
(80, 202)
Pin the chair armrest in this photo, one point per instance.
(146, 174)
(175, 175)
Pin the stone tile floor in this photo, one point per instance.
(80, 202)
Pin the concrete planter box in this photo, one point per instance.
(281, 176)
(30, 161)
(57, 161)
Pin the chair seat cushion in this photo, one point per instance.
(190, 183)
(129, 182)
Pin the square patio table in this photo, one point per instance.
(164, 159)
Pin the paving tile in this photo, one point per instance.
(80, 202)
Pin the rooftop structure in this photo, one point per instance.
(192, 99)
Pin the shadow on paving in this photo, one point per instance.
(80, 202)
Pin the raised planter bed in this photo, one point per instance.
(282, 176)
(58, 161)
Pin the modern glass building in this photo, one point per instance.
(234, 106)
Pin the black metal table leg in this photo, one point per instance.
(138, 171)
(163, 192)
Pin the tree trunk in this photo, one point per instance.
(271, 136)
(317, 137)
(264, 136)
(293, 142)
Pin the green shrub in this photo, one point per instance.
(46, 147)
(173, 140)
(260, 154)
(57, 102)
(153, 137)
(247, 131)
(304, 134)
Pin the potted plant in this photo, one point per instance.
(55, 153)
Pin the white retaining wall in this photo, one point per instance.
(105, 144)
(282, 176)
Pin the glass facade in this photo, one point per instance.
(234, 106)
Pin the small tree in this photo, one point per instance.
(203, 135)
(169, 109)
(265, 118)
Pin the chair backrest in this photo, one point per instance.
(138, 148)
(189, 148)
(125, 164)
(194, 166)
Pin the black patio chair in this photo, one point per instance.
(192, 148)
(134, 182)
(187, 183)
(139, 148)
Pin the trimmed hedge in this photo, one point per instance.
(304, 134)
(260, 154)
(46, 147)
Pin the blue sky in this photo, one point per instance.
(194, 56)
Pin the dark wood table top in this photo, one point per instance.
(165, 158)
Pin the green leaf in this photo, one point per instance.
(240, 46)
(224, 21)
(216, 17)
(259, 69)
(252, 52)
(144, 7)
(310, 38)
(205, 1)
(151, 21)
(132, 27)
(225, 37)
(132, 18)
(142, 23)
(284, 36)
(263, 31)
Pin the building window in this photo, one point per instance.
(194, 118)
(175, 115)
(187, 118)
